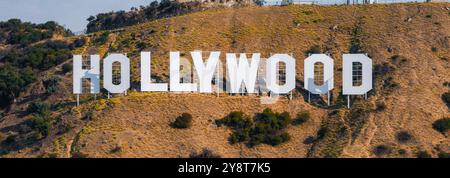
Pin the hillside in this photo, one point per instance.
(409, 45)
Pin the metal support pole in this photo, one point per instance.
(309, 97)
(348, 101)
(109, 95)
(328, 97)
(218, 80)
(365, 96)
(78, 99)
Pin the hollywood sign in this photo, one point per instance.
(241, 73)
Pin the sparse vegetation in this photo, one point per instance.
(442, 125)
(101, 39)
(356, 45)
(182, 122)
(41, 120)
(381, 106)
(51, 85)
(313, 50)
(358, 116)
(403, 136)
(301, 118)
(389, 84)
(382, 150)
(402, 152)
(423, 154)
(205, 153)
(331, 137)
(444, 155)
(398, 59)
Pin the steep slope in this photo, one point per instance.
(409, 44)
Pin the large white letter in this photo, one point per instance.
(146, 81)
(175, 84)
(272, 71)
(124, 73)
(205, 73)
(243, 72)
(358, 67)
(309, 78)
(79, 73)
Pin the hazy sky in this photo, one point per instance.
(71, 13)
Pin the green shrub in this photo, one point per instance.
(41, 119)
(423, 154)
(442, 125)
(39, 108)
(66, 68)
(301, 118)
(183, 121)
(434, 49)
(428, 16)
(235, 119)
(266, 127)
(446, 98)
(444, 155)
(41, 124)
(12, 82)
(308, 140)
(88, 115)
(51, 85)
(403, 136)
(382, 150)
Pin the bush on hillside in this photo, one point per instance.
(182, 122)
(380, 106)
(102, 39)
(266, 127)
(423, 154)
(51, 85)
(446, 98)
(66, 68)
(382, 150)
(41, 119)
(403, 136)
(301, 118)
(38, 107)
(12, 82)
(444, 155)
(442, 125)
(313, 50)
